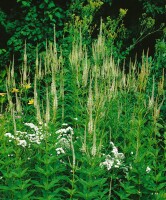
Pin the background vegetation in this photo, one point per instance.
(82, 100)
(134, 30)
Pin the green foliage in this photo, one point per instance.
(34, 25)
(97, 132)
(160, 56)
(116, 34)
(153, 7)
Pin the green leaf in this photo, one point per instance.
(20, 173)
(51, 5)
(50, 16)
(26, 4)
(159, 125)
(161, 186)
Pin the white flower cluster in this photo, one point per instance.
(24, 138)
(32, 126)
(60, 151)
(19, 141)
(114, 160)
(35, 137)
(64, 139)
(65, 130)
(9, 135)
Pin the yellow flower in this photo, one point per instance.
(15, 90)
(31, 101)
(27, 86)
(2, 94)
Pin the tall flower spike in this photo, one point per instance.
(18, 104)
(84, 142)
(38, 114)
(37, 103)
(151, 100)
(54, 91)
(25, 66)
(12, 82)
(35, 91)
(85, 71)
(94, 143)
(90, 108)
(9, 97)
(37, 62)
(47, 107)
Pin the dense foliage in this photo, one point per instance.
(33, 21)
(77, 119)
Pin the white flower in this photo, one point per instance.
(23, 133)
(32, 126)
(69, 129)
(148, 169)
(9, 135)
(112, 144)
(63, 130)
(64, 124)
(115, 151)
(63, 142)
(22, 143)
(10, 155)
(35, 137)
(108, 163)
(114, 160)
(60, 150)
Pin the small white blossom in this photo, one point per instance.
(115, 151)
(22, 143)
(63, 130)
(23, 133)
(69, 129)
(32, 126)
(108, 163)
(60, 150)
(112, 143)
(10, 155)
(64, 124)
(9, 135)
(148, 169)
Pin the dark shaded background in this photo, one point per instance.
(131, 21)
